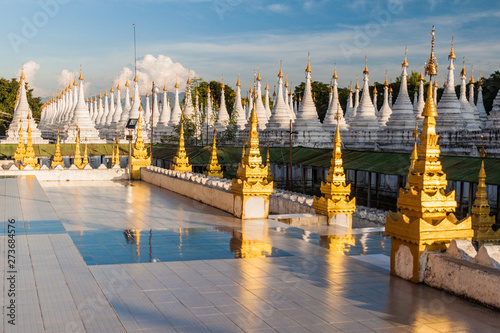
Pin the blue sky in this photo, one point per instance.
(227, 37)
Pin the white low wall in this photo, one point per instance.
(216, 192)
(465, 273)
(209, 190)
(71, 174)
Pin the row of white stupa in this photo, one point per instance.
(101, 121)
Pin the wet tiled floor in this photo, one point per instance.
(135, 246)
(310, 286)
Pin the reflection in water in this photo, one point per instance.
(136, 245)
(338, 244)
(252, 242)
(341, 242)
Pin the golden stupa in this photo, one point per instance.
(251, 189)
(117, 155)
(424, 220)
(140, 158)
(213, 168)
(29, 156)
(85, 160)
(335, 202)
(181, 160)
(77, 161)
(482, 221)
(21, 149)
(57, 159)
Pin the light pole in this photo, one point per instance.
(154, 91)
(132, 122)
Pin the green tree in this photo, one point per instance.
(491, 85)
(8, 95)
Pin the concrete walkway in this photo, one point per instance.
(180, 266)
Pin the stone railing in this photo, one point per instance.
(281, 201)
(463, 271)
(102, 173)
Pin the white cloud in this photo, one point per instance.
(30, 69)
(66, 77)
(160, 69)
(278, 8)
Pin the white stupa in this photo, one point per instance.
(335, 113)
(365, 118)
(402, 117)
(280, 115)
(82, 121)
(471, 116)
(385, 111)
(480, 104)
(223, 116)
(307, 116)
(449, 115)
(175, 116)
(239, 112)
(23, 111)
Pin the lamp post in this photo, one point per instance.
(154, 91)
(132, 122)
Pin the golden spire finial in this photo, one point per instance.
(238, 82)
(77, 161)
(189, 77)
(127, 84)
(421, 77)
(81, 75)
(308, 68)
(165, 85)
(267, 85)
(258, 74)
(286, 80)
(22, 78)
(74, 81)
(335, 190)
(463, 72)
(176, 82)
(100, 93)
(366, 71)
(112, 89)
(21, 150)
(181, 161)
(280, 74)
(431, 68)
(435, 83)
(350, 87)
(452, 51)
(480, 82)
(222, 83)
(118, 86)
(147, 93)
(140, 158)
(29, 157)
(472, 75)
(85, 160)
(117, 155)
(405, 61)
(214, 169)
(335, 70)
(135, 77)
(375, 88)
(57, 159)
(106, 92)
(357, 84)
